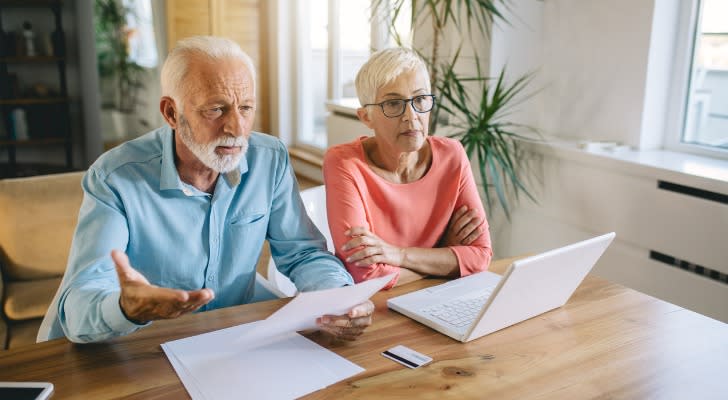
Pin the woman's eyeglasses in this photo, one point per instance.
(395, 107)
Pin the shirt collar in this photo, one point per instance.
(170, 176)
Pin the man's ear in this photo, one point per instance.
(363, 115)
(168, 108)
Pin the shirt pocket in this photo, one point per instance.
(246, 234)
(246, 219)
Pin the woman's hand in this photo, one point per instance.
(372, 250)
(464, 227)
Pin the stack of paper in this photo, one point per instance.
(267, 359)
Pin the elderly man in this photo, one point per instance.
(191, 205)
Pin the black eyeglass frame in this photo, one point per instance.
(404, 107)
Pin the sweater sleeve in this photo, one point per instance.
(476, 256)
(346, 205)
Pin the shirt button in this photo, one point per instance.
(187, 192)
(211, 278)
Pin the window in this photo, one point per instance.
(142, 41)
(706, 109)
(338, 44)
(334, 39)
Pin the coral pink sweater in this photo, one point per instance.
(414, 214)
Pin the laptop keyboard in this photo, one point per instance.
(458, 312)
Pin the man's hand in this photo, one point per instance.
(464, 227)
(142, 302)
(373, 249)
(349, 326)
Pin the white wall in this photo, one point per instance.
(516, 46)
(605, 70)
(595, 56)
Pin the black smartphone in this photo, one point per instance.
(26, 390)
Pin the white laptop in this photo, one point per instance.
(476, 305)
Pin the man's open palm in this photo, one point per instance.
(142, 302)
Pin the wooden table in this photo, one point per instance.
(607, 342)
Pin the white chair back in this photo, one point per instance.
(314, 199)
(50, 318)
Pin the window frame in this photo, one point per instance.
(287, 27)
(686, 39)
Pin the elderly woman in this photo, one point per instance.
(401, 201)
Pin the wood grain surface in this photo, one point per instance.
(607, 342)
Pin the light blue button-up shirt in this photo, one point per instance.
(180, 237)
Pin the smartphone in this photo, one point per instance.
(26, 390)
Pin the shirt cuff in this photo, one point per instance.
(114, 317)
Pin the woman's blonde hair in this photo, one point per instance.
(383, 67)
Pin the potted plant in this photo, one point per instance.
(120, 76)
(475, 106)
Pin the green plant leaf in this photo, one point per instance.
(112, 48)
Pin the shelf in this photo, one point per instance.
(30, 169)
(33, 142)
(34, 100)
(31, 60)
(47, 114)
(30, 3)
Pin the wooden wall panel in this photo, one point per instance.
(241, 21)
(187, 18)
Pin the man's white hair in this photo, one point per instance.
(213, 48)
(383, 67)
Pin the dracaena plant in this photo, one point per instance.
(484, 130)
(112, 45)
(476, 107)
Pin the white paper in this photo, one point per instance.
(301, 312)
(288, 367)
(267, 359)
(184, 375)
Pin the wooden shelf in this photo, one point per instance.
(34, 100)
(48, 116)
(30, 3)
(33, 142)
(31, 60)
(30, 169)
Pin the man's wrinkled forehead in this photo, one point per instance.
(229, 75)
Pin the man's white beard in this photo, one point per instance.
(205, 152)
